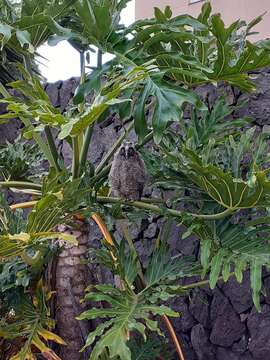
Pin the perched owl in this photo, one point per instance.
(127, 176)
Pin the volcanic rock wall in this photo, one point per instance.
(215, 325)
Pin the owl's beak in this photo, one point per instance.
(126, 152)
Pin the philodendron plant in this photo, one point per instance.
(149, 83)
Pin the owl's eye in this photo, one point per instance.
(122, 152)
(131, 152)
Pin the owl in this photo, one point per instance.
(127, 176)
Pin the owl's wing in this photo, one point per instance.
(140, 172)
(114, 178)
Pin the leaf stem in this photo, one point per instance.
(173, 336)
(202, 283)
(75, 158)
(103, 228)
(159, 210)
(148, 207)
(43, 146)
(217, 216)
(99, 59)
(52, 147)
(24, 205)
(82, 141)
(85, 146)
(20, 185)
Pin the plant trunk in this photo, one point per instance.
(71, 278)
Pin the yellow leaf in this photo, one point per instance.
(48, 335)
(22, 237)
(57, 235)
(59, 195)
(39, 344)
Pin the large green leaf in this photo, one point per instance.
(60, 200)
(231, 67)
(231, 193)
(98, 21)
(212, 125)
(194, 51)
(39, 19)
(128, 312)
(161, 269)
(169, 100)
(232, 247)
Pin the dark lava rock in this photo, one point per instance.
(259, 328)
(227, 326)
(186, 346)
(239, 294)
(9, 131)
(185, 321)
(201, 344)
(66, 91)
(246, 356)
(258, 103)
(151, 230)
(186, 246)
(241, 346)
(199, 307)
(52, 89)
(266, 283)
(226, 354)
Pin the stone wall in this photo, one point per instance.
(221, 324)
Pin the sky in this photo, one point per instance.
(63, 62)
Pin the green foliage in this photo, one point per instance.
(29, 322)
(205, 163)
(100, 20)
(29, 240)
(11, 222)
(169, 100)
(35, 105)
(130, 309)
(207, 52)
(20, 161)
(185, 51)
(211, 126)
(148, 350)
(228, 247)
(230, 192)
(32, 22)
(221, 177)
(24, 26)
(38, 106)
(128, 312)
